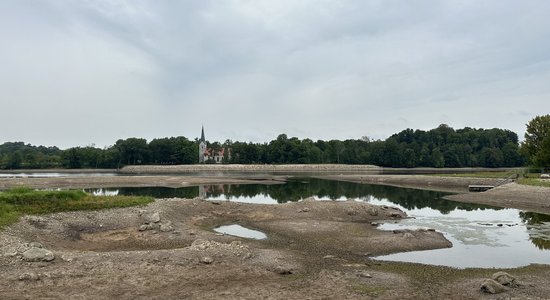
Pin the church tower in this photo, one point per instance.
(202, 146)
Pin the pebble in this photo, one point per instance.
(206, 260)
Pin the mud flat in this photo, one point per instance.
(511, 195)
(436, 183)
(168, 250)
(131, 181)
(315, 249)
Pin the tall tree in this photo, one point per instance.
(536, 146)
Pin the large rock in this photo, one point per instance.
(492, 287)
(505, 279)
(38, 254)
(149, 217)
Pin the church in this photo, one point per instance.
(211, 155)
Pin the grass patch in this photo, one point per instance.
(20, 201)
(534, 182)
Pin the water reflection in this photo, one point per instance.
(483, 236)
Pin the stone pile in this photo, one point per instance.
(151, 221)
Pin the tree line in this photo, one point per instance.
(439, 147)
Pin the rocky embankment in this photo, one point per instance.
(237, 168)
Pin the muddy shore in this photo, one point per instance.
(314, 250)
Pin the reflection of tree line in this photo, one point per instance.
(531, 218)
(161, 192)
(304, 188)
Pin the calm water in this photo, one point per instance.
(482, 236)
(238, 230)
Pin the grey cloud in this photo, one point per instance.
(249, 70)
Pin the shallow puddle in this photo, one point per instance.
(240, 231)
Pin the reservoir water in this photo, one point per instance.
(482, 236)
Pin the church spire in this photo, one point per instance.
(202, 134)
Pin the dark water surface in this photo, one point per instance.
(482, 236)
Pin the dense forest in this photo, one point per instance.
(439, 147)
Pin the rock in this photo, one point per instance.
(150, 217)
(364, 275)
(166, 227)
(374, 223)
(216, 202)
(395, 215)
(206, 260)
(29, 277)
(147, 227)
(504, 279)
(545, 176)
(352, 212)
(283, 270)
(431, 229)
(329, 257)
(373, 211)
(408, 235)
(305, 209)
(492, 287)
(35, 245)
(38, 254)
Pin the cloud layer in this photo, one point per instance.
(91, 72)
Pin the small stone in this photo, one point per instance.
(395, 215)
(408, 235)
(329, 257)
(143, 227)
(499, 225)
(29, 277)
(374, 223)
(38, 254)
(283, 270)
(397, 231)
(206, 260)
(166, 227)
(236, 243)
(373, 211)
(35, 245)
(192, 233)
(431, 229)
(492, 287)
(504, 279)
(364, 275)
(216, 202)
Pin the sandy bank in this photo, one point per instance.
(436, 183)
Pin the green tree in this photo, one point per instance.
(536, 147)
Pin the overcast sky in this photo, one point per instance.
(76, 73)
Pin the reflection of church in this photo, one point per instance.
(209, 154)
(213, 190)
